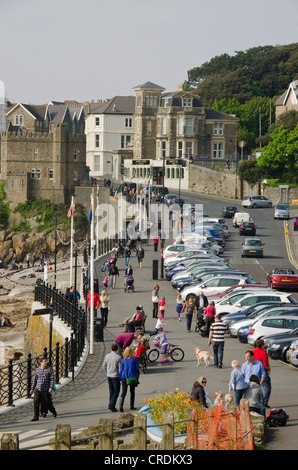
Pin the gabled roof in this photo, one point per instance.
(213, 114)
(292, 90)
(116, 105)
(37, 112)
(148, 86)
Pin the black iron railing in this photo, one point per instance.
(16, 378)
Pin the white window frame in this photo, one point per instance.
(218, 128)
(218, 150)
(97, 163)
(128, 122)
(164, 125)
(180, 125)
(51, 174)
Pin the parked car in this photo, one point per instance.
(240, 217)
(213, 285)
(282, 278)
(242, 314)
(256, 201)
(178, 201)
(168, 198)
(233, 289)
(269, 312)
(247, 228)
(267, 326)
(278, 346)
(250, 296)
(282, 211)
(252, 247)
(180, 283)
(183, 266)
(172, 259)
(229, 212)
(293, 353)
(243, 333)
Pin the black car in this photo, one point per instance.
(247, 228)
(278, 345)
(229, 212)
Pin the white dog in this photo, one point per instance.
(203, 355)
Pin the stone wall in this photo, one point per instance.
(207, 181)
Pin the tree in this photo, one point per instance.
(250, 172)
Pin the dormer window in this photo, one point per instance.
(19, 120)
(187, 102)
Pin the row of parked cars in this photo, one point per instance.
(251, 311)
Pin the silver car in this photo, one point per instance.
(281, 211)
(293, 353)
(256, 201)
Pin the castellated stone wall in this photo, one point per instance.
(45, 165)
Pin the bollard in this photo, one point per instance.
(98, 329)
(155, 269)
(10, 441)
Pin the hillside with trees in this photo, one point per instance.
(247, 85)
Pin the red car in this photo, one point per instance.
(282, 278)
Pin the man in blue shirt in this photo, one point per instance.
(253, 367)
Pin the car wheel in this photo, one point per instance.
(190, 295)
(254, 206)
(269, 204)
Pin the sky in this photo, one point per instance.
(96, 49)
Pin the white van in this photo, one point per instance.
(240, 217)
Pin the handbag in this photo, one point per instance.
(131, 380)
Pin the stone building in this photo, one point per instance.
(288, 100)
(42, 154)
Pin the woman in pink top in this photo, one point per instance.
(162, 307)
(209, 316)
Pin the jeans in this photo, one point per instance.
(266, 388)
(114, 388)
(124, 392)
(218, 349)
(188, 317)
(104, 315)
(127, 258)
(155, 310)
(238, 395)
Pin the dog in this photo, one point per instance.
(203, 355)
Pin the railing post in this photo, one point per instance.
(168, 431)
(106, 440)
(10, 383)
(140, 433)
(57, 364)
(29, 374)
(66, 355)
(63, 433)
(10, 441)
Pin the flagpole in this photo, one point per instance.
(92, 277)
(97, 225)
(71, 245)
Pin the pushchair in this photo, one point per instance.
(129, 284)
(200, 323)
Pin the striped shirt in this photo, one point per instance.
(218, 329)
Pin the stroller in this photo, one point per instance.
(129, 284)
(200, 324)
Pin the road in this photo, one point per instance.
(84, 402)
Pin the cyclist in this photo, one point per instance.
(163, 343)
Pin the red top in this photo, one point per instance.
(96, 300)
(210, 311)
(262, 356)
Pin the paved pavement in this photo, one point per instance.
(84, 402)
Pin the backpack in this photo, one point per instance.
(277, 418)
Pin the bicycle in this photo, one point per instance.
(175, 353)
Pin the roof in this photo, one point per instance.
(213, 114)
(116, 105)
(293, 90)
(148, 86)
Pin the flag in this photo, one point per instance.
(90, 211)
(134, 173)
(71, 209)
(118, 192)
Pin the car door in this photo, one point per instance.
(291, 323)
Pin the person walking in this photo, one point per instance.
(179, 306)
(201, 303)
(189, 309)
(198, 392)
(155, 242)
(111, 365)
(217, 333)
(261, 355)
(162, 307)
(105, 307)
(140, 255)
(127, 255)
(209, 316)
(42, 386)
(155, 300)
(113, 273)
(129, 376)
(237, 382)
(96, 301)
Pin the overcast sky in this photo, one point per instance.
(96, 49)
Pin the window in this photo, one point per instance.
(96, 140)
(188, 126)
(248, 301)
(75, 155)
(51, 174)
(128, 122)
(97, 121)
(217, 150)
(273, 323)
(180, 149)
(164, 125)
(32, 172)
(38, 174)
(125, 140)
(180, 125)
(19, 120)
(151, 101)
(186, 102)
(188, 148)
(227, 282)
(96, 162)
(218, 128)
(163, 149)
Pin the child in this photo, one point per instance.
(179, 306)
(161, 305)
(218, 397)
(237, 382)
(159, 324)
(163, 343)
(228, 399)
(106, 282)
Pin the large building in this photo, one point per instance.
(43, 151)
(288, 100)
